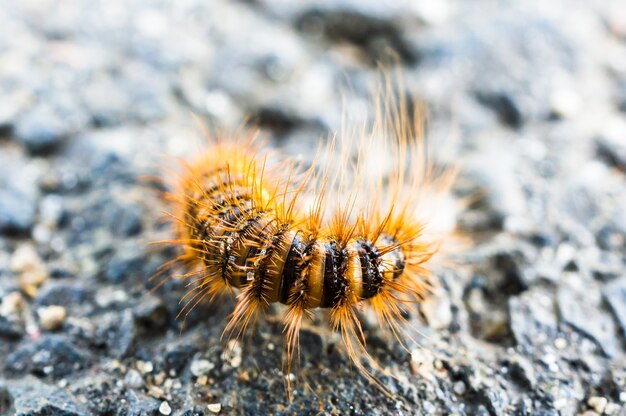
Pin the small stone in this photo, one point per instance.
(156, 392)
(17, 212)
(12, 323)
(66, 292)
(145, 366)
(9, 329)
(12, 304)
(560, 403)
(107, 104)
(167, 385)
(151, 313)
(598, 403)
(123, 218)
(560, 343)
(613, 409)
(133, 379)
(165, 408)
(25, 258)
(178, 356)
(201, 367)
(565, 103)
(31, 270)
(551, 361)
(532, 318)
(219, 104)
(52, 355)
(429, 408)
(118, 332)
(422, 362)
(475, 301)
(40, 130)
(52, 317)
(214, 407)
(51, 210)
(32, 397)
(125, 264)
(578, 311)
(459, 388)
(141, 404)
(432, 12)
(108, 298)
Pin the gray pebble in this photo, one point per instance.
(133, 379)
(52, 355)
(69, 293)
(577, 310)
(10, 330)
(17, 212)
(151, 313)
(32, 397)
(140, 404)
(532, 318)
(118, 332)
(40, 130)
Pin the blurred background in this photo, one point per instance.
(529, 98)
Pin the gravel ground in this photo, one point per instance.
(96, 95)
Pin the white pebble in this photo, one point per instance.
(165, 408)
(52, 317)
(598, 403)
(459, 388)
(145, 366)
(201, 367)
(560, 343)
(612, 409)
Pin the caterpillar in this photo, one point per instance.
(340, 235)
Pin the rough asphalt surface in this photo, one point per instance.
(94, 96)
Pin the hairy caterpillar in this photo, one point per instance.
(341, 235)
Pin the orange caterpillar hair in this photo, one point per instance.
(342, 235)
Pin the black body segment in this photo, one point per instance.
(335, 275)
(370, 268)
(295, 262)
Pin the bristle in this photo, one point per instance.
(345, 320)
(296, 311)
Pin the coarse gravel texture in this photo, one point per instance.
(527, 97)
